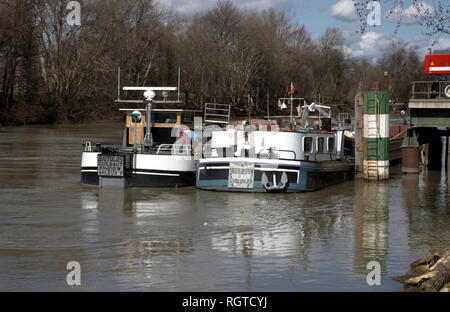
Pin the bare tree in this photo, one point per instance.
(400, 64)
(17, 51)
(68, 56)
(435, 19)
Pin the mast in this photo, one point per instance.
(179, 82)
(118, 83)
(292, 116)
(148, 135)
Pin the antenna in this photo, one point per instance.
(118, 83)
(179, 82)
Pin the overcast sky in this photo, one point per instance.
(318, 15)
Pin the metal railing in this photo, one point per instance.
(88, 146)
(217, 113)
(271, 154)
(430, 90)
(174, 149)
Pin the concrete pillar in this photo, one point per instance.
(410, 153)
(446, 152)
(435, 153)
(376, 136)
(425, 153)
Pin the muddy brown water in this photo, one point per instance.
(189, 240)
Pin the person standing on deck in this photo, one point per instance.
(190, 138)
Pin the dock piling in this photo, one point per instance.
(410, 153)
(376, 136)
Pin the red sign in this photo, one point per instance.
(437, 64)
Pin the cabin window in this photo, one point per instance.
(320, 144)
(307, 144)
(164, 118)
(330, 144)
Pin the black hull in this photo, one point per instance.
(89, 178)
(143, 180)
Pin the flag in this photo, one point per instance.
(250, 100)
(293, 89)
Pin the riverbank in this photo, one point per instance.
(429, 274)
(60, 123)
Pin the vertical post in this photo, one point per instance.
(179, 82)
(249, 108)
(268, 106)
(376, 136)
(118, 83)
(446, 153)
(292, 116)
(435, 148)
(410, 153)
(135, 137)
(148, 136)
(359, 132)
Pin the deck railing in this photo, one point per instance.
(174, 149)
(430, 90)
(217, 113)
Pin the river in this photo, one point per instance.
(190, 240)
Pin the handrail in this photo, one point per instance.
(271, 149)
(219, 111)
(88, 146)
(174, 147)
(398, 135)
(427, 90)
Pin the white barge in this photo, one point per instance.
(153, 152)
(267, 158)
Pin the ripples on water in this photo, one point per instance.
(189, 240)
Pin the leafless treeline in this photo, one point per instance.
(50, 71)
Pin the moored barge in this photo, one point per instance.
(157, 153)
(261, 156)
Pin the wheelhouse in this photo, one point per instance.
(165, 127)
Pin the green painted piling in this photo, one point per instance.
(376, 136)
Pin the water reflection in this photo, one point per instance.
(371, 211)
(427, 210)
